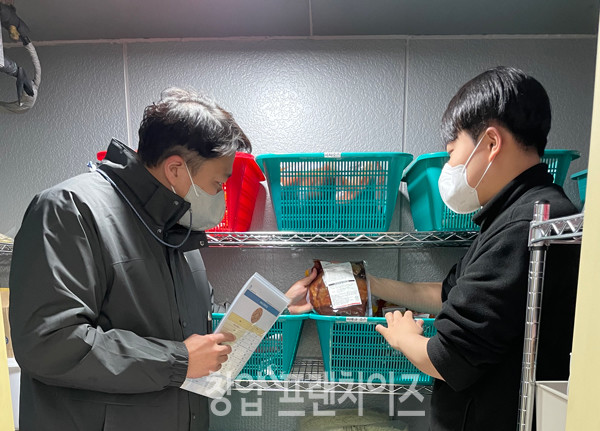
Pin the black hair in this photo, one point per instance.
(185, 122)
(502, 95)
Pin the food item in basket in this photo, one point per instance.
(378, 426)
(382, 307)
(310, 181)
(348, 179)
(305, 174)
(351, 420)
(340, 289)
(358, 177)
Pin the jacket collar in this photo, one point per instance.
(157, 205)
(535, 176)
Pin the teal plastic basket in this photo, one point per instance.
(427, 208)
(274, 356)
(581, 178)
(354, 351)
(558, 162)
(429, 212)
(342, 192)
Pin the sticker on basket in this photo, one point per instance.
(332, 155)
(341, 284)
(356, 319)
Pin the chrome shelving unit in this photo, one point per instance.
(543, 232)
(307, 374)
(338, 239)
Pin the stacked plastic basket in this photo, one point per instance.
(429, 213)
(581, 178)
(241, 190)
(342, 192)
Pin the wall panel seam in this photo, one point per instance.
(405, 105)
(310, 18)
(126, 89)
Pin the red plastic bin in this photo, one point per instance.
(240, 190)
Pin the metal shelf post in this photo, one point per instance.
(542, 232)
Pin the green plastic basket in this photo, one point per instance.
(274, 356)
(354, 351)
(429, 211)
(581, 178)
(341, 192)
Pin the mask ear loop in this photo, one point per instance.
(483, 175)
(469, 159)
(107, 178)
(473, 152)
(190, 175)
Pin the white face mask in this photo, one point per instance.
(455, 190)
(207, 210)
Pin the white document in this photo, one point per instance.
(341, 284)
(251, 315)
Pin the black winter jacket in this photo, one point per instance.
(99, 308)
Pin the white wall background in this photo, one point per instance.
(289, 95)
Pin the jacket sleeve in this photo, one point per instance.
(58, 284)
(483, 316)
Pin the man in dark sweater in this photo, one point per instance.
(495, 129)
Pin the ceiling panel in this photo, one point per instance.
(139, 19)
(115, 19)
(458, 17)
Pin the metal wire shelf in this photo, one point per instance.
(337, 239)
(559, 230)
(308, 375)
(330, 239)
(6, 247)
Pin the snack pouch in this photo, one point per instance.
(340, 289)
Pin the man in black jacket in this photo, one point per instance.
(495, 129)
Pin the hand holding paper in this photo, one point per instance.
(251, 315)
(207, 353)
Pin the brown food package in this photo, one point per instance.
(321, 301)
